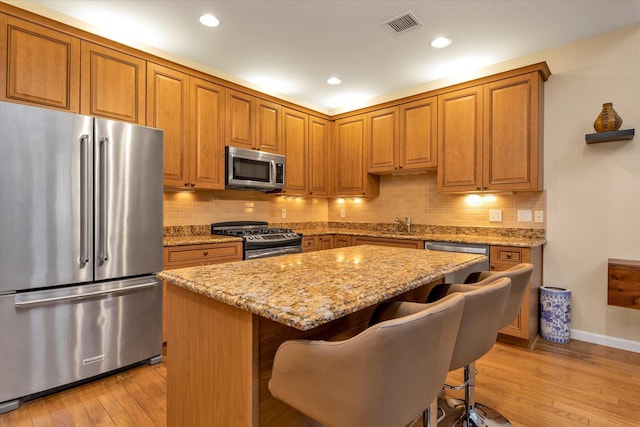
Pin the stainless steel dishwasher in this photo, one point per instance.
(469, 248)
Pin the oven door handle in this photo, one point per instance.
(264, 253)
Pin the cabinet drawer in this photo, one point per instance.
(309, 244)
(185, 256)
(506, 254)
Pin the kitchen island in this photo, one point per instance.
(226, 321)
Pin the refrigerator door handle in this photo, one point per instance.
(104, 208)
(20, 303)
(84, 199)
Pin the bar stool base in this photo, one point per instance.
(481, 416)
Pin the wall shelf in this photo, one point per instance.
(617, 135)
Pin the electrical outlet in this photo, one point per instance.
(284, 213)
(538, 216)
(524, 215)
(495, 215)
(342, 213)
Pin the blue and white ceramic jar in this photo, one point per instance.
(555, 314)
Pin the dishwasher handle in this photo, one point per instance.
(450, 248)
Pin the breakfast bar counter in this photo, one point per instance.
(226, 321)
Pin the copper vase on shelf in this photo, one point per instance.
(608, 120)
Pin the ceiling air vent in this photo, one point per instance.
(402, 23)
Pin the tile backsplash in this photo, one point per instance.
(413, 195)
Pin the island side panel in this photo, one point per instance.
(273, 412)
(211, 363)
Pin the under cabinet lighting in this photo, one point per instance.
(334, 81)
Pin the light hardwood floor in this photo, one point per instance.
(555, 385)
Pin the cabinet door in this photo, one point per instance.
(268, 127)
(351, 176)
(296, 158)
(460, 140)
(41, 66)
(511, 139)
(340, 241)
(419, 134)
(319, 155)
(113, 84)
(240, 119)
(382, 140)
(168, 109)
(325, 242)
(206, 145)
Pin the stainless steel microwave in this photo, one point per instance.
(253, 170)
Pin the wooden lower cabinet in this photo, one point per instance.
(340, 241)
(380, 241)
(317, 243)
(525, 326)
(193, 256)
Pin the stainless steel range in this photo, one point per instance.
(260, 241)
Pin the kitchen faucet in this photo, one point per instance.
(406, 223)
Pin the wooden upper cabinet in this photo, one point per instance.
(513, 133)
(168, 109)
(490, 136)
(460, 140)
(403, 138)
(113, 84)
(418, 139)
(268, 126)
(296, 128)
(382, 138)
(41, 66)
(206, 144)
(240, 119)
(319, 156)
(351, 177)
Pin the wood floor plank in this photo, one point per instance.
(556, 385)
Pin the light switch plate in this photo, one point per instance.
(342, 213)
(284, 213)
(538, 216)
(495, 215)
(524, 215)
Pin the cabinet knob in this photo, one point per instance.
(310, 192)
(193, 184)
(485, 188)
(509, 255)
(206, 252)
(478, 188)
(493, 267)
(399, 167)
(186, 184)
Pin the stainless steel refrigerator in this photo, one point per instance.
(80, 241)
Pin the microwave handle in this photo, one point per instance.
(273, 172)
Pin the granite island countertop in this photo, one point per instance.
(309, 289)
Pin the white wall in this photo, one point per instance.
(593, 191)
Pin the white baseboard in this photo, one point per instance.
(605, 340)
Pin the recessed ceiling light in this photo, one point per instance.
(209, 20)
(440, 42)
(334, 81)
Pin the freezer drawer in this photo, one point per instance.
(55, 337)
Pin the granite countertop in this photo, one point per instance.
(198, 239)
(307, 290)
(459, 238)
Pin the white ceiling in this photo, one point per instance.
(291, 47)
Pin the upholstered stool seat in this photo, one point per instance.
(383, 377)
(468, 412)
